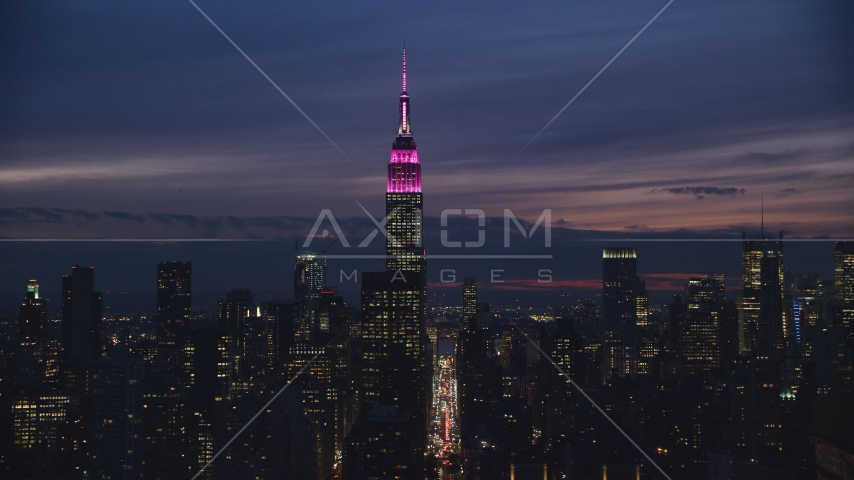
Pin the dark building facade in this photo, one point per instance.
(619, 292)
(81, 315)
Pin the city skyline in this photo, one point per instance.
(200, 280)
(791, 143)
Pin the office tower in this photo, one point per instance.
(392, 356)
(700, 333)
(32, 336)
(35, 418)
(174, 296)
(81, 315)
(469, 298)
(167, 443)
(330, 315)
(254, 342)
(704, 293)
(390, 339)
(642, 304)
(280, 317)
(620, 288)
(648, 338)
(762, 328)
(232, 312)
(114, 423)
(175, 347)
(479, 376)
(843, 257)
(619, 292)
(308, 277)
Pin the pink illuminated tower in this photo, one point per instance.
(410, 354)
(403, 196)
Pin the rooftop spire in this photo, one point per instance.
(404, 127)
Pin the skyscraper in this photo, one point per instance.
(619, 292)
(32, 334)
(396, 355)
(843, 257)
(403, 195)
(469, 298)
(280, 332)
(115, 416)
(175, 347)
(700, 334)
(391, 372)
(174, 297)
(81, 315)
(762, 327)
(232, 312)
(308, 277)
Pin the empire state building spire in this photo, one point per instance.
(404, 128)
(404, 169)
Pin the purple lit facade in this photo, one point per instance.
(404, 171)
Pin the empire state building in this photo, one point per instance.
(403, 196)
(396, 353)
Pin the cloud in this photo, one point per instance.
(125, 216)
(701, 192)
(776, 156)
(788, 192)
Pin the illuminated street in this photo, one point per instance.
(444, 434)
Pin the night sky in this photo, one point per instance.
(139, 120)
